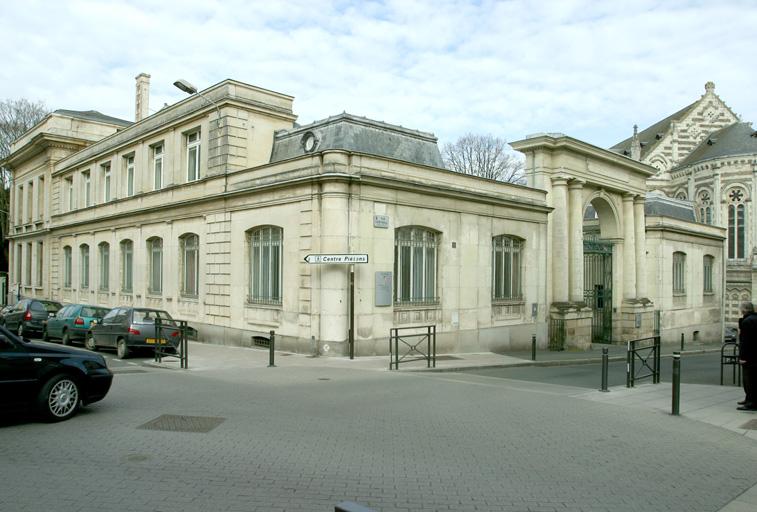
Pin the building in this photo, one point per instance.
(211, 207)
(707, 157)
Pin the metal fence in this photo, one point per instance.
(174, 343)
(412, 340)
(556, 334)
(643, 360)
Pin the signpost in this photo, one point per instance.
(342, 259)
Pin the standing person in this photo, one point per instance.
(748, 355)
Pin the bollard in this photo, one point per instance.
(605, 363)
(533, 347)
(676, 382)
(681, 342)
(271, 345)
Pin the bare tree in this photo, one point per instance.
(16, 118)
(486, 156)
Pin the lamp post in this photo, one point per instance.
(191, 89)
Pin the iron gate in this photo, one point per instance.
(598, 288)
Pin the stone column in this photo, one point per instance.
(576, 240)
(560, 247)
(641, 247)
(629, 249)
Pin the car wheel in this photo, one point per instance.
(89, 342)
(59, 398)
(122, 350)
(66, 340)
(20, 330)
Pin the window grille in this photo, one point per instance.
(127, 265)
(104, 249)
(265, 265)
(84, 267)
(415, 266)
(679, 273)
(189, 264)
(506, 268)
(155, 253)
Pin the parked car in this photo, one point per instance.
(72, 322)
(731, 334)
(29, 315)
(52, 379)
(129, 329)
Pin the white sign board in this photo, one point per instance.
(338, 259)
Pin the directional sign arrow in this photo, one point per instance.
(336, 259)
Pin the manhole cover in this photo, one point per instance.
(177, 423)
(750, 425)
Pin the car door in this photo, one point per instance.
(14, 318)
(103, 332)
(121, 324)
(18, 376)
(55, 324)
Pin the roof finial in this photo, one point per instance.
(709, 87)
(635, 130)
(635, 144)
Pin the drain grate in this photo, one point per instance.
(177, 423)
(749, 425)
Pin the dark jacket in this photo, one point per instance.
(748, 338)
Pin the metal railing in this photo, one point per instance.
(643, 360)
(412, 341)
(729, 356)
(556, 334)
(176, 344)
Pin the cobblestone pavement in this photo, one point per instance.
(305, 438)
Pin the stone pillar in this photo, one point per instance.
(560, 240)
(641, 247)
(629, 249)
(576, 240)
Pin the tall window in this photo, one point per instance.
(707, 266)
(415, 251)
(679, 273)
(155, 255)
(41, 198)
(30, 190)
(193, 156)
(67, 267)
(129, 162)
(20, 213)
(87, 188)
(506, 268)
(19, 261)
(104, 249)
(189, 264)
(736, 224)
(106, 182)
(84, 266)
(40, 263)
(28, 265)
(265, 264)
(69, 192)
(127, 265)
(157, 166)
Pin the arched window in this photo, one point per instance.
(265, 246)
(736, 224)
(190, 247)
(506, 267)
(708, 263)
(679, 273)
(84, 266)
(415, 257)
(155, 265)
(705, 207)
(67, 266)
(127, 266)
(104, 253)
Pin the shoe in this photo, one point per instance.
(746, 407)
(741, 402)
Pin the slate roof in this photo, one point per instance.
(361, 135)
(662, 206)
(93, 115)
(734, 139)
(648, 136)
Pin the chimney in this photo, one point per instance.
(143, 97)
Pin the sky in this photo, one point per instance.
(589, 69)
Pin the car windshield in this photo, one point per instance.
(148, 317)
(91, 312)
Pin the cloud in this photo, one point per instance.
(450, 67)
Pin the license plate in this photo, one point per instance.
(155, 341)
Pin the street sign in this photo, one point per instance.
(338, 259)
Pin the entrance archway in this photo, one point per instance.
(599, 228)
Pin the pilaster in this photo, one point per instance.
(641, 245)
(560, 247)
(576, 241)
(629, 248)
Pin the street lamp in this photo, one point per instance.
(191, 89)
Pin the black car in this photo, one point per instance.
(6, 309)
(53, 379)
(128, 329)
(29, 316)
